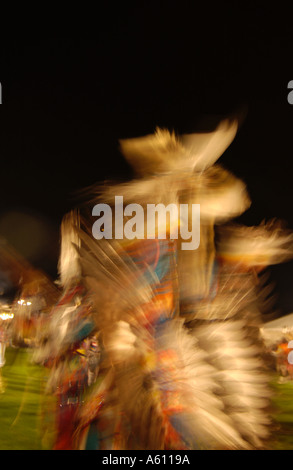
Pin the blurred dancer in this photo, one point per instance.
(181, 363)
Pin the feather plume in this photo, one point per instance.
(68, 265)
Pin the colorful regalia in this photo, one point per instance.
(180, 364)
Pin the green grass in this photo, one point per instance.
(27, 417)
(21, 403)
(283, 402)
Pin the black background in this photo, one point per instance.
(68, 101)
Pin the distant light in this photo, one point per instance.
(6, 316)
(23, 302)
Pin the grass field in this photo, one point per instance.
(283, 401)
(21, 403)
(26, 418)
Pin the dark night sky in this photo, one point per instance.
(67, 102)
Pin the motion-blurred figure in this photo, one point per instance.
(181, 358)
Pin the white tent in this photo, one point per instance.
(276, 330)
